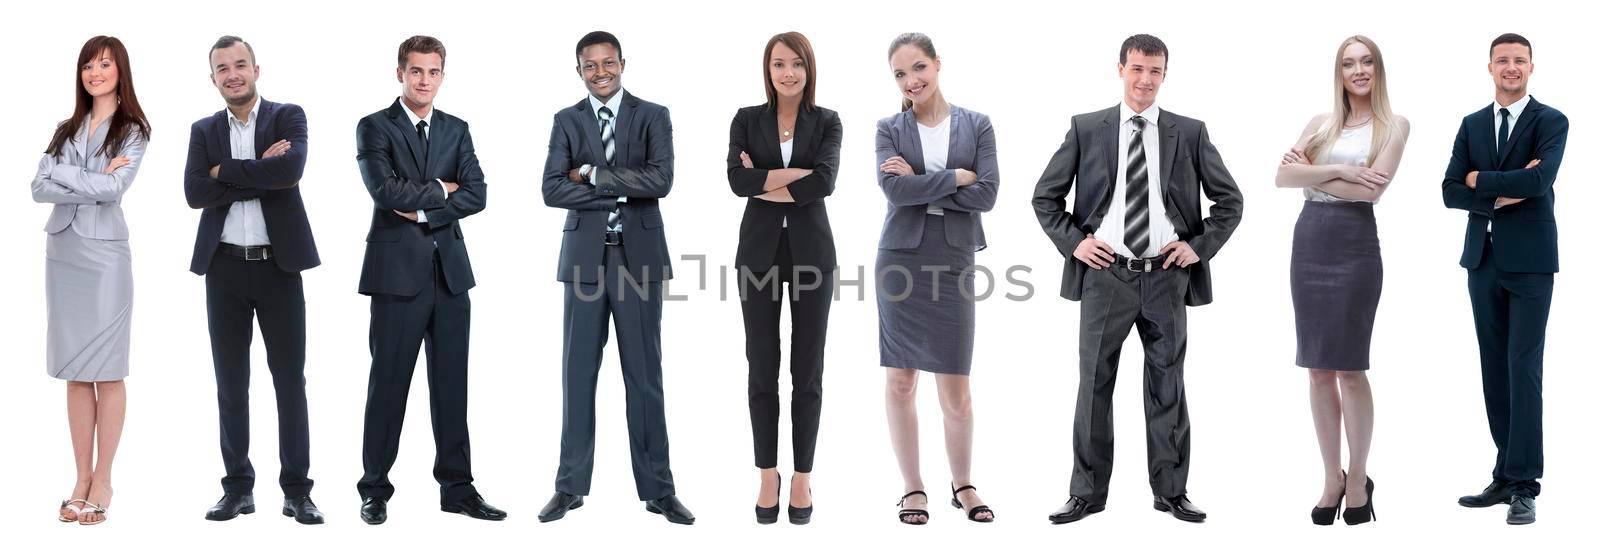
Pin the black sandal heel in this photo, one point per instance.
(905, 513)
(972, 513)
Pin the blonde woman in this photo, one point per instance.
(1343, 162)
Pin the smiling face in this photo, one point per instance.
(915, 73)
(234, 72)
(787, 71)
(1358, 69)
(600, 66)
(99, 75)
(422, 75)
(1141, 76)
(1511, 65)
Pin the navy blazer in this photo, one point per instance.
(817, 136)
(971, 148)
(1524, 233)
(642, 172)
(275, 181)
(400, 252)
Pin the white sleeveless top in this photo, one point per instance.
(935, 151)
(1353, 147)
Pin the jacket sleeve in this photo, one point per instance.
(980, 196)
(1050, 197)
(651, 181)
(1456, 193)
(472, 194)
(47, 191)
(96, 185)
(911, 189)
(820, 183)
(1526, 183)
(388, 189)
(560, 192)
(745, 182)
(278, 172)
(199, 188)
(1227, 203)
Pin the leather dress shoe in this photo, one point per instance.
(670, 507)
(374, 511)
(1521, 512)
(1075, 509)
(558, 506)
(302, 509)
(1181, 508)
(1498, 492)
(475, 508)
(230, 506)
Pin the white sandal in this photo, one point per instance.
(77, 507)
(90, 508)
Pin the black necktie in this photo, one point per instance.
(608, 138)
(422, 137)
(1505, 131)
(1136, 232)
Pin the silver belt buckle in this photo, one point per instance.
(1134, 266)
(261, 250)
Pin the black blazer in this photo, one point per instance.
(1190, 165)
(1524, 233)
(400, 252)
(275, 181)
(642, 173)
(817, 135)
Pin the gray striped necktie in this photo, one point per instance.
(1136, 233)
(608, 138)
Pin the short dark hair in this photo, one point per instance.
(1148, 45)
(421, 44)
(227, 41)
(1511, 38)
(597, 37)
(798, 43)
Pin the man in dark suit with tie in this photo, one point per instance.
(1502, 172)
(244, 169)
(1137, 254)
(419, 165)
(609, 165)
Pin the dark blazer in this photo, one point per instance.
(817, 135)
(400, 252)
(642, 173)
(1524, 233)
(275, 181)
(971, 148)
(1190, 166)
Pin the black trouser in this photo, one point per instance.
(400, 326)
(1115, 300)
(1510, 309)
(237, 292)
(761, 298)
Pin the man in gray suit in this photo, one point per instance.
(1133, 265)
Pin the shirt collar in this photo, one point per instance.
(413, 115)
(1516, 108)
(1151, 114)
(615, 104)
(254, 109)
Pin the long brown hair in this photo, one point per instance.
(128, 118)
(921, 42)
(798, 43)
(1382, 118)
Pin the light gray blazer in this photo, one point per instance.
(87, 199)
(971, 148)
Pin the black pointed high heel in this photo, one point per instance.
(1326, 516)
(801, 516)
(975, 510)
(1357, 515)
(769, 515)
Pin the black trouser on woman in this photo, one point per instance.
(761, 297)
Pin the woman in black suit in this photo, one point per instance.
(783, 156)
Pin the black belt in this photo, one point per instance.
(613, 237)
(1139, 265)
(252, 253)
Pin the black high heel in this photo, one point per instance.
(971, 513)
(1326, 516)
(1362, 514)
(769, 515)
(801, 516)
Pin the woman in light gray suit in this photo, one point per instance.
(89, 164)
(938, 170)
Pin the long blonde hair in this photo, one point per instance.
(1382, 117)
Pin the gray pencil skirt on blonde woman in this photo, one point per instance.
(1335, 278)
(925, 322)
(89, 300)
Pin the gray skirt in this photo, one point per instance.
(926, 322)
(1335, 278)
(89, 303)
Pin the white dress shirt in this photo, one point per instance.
(935, 141)
(615, 104)
(422, 216)
(244, 225)
(1113, 228)
(787, 148)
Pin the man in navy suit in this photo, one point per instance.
(419, 165)
(1502, 172)
(244, 169)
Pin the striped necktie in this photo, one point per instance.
(609, 139)
(1136, 232)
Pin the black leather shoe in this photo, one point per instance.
(374, 511)
(1521, 512)
(230, 506)
(1181, 508)
(1075, 509)
(670, 507)
(475, 508)
(558, 506)
(302, 509)
(1496, 493)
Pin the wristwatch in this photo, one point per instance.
(585, 171)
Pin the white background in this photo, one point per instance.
(1254, 73)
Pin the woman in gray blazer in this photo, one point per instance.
(90, 162)
(938, 170)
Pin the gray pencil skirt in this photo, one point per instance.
(89, 306)
(926, 312)
(1335, 278)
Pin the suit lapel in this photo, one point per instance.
(221, 135)
(1524, 122)
(911, 135)
(805, 137)
(1169, 153)
(1480, 131)
(402, 122)
(263, 115)
(627, 124)
(955, 157)
(590, 124)
(767, 128)
(1111, 131)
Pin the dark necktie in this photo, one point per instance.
(422, 138)
(1505, 132)
(1136, 233)
(607, 138)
